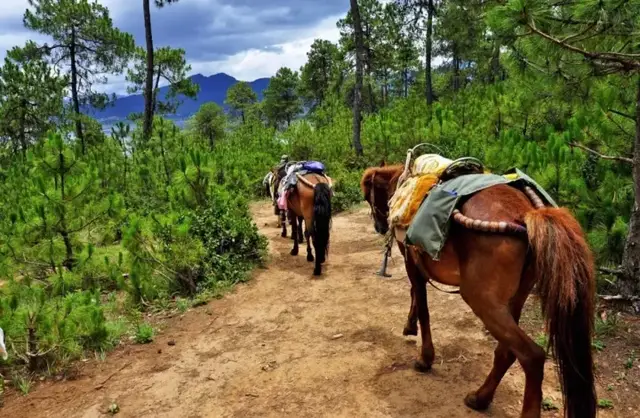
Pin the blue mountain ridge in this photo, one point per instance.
(212, 89)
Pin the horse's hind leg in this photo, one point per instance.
(300, 230)
(503, 356)
(307, 234)
(294, 232)
(502, 325)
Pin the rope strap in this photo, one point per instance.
(311, 185)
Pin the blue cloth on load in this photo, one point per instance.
(313, 167)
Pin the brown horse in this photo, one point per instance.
(310, 201)
(495, 273)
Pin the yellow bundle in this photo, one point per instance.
(407, 199)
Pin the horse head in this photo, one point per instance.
(378, 185)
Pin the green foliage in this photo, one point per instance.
(210, 122)
(281, 101)
(240, 98)
(31, 95)
(85, 40)
(231, 240)
(605, 404)
(144, 333)
(170, 67)
(317, 74)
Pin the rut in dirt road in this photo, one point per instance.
(288, 344)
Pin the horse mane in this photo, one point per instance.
(389, 173)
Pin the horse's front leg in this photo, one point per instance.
(411, 327)
(294, 232)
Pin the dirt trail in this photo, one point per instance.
(267, 349)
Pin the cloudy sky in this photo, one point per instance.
(247, 39)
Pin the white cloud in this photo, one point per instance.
(256, 63)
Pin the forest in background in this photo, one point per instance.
(97, 230)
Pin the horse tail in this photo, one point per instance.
(566, 284)
(321, 223)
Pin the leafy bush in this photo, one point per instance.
(229, 236)
(346, 190)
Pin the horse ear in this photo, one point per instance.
(383, 163)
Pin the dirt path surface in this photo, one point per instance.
(290, 345)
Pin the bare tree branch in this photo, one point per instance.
(604, 157)
(626, 115)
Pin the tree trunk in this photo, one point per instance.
(148, 88)
(495, 62)
(154, 101)
(357, 93)
(22, 129)
(429, 47)
(74, 90)
(456, 72)
(629, 283)
(69, 261)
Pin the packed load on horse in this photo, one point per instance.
(296, 171)
(494, 237)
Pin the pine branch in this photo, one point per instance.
(627, 61)
(626, 115)
(604, 157)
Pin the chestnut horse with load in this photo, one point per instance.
(502, 241)
(307, 191)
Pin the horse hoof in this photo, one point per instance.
(294, 252)
(317, 272)
(283, 235)
(472, 401)
(421, 367)
(409, 331)
(310, 258)
(300, 240)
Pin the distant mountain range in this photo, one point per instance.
(212, 89)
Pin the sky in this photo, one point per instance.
(246, 39)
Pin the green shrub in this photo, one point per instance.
(231, 241)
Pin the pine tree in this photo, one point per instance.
(169, 66)
(147, 124)
(240, 97)
(580, 42)
(31, 97)
(209, 122)
(281, 100)
(85, 39)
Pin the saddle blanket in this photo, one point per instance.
(430, 226)
(407, 199)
